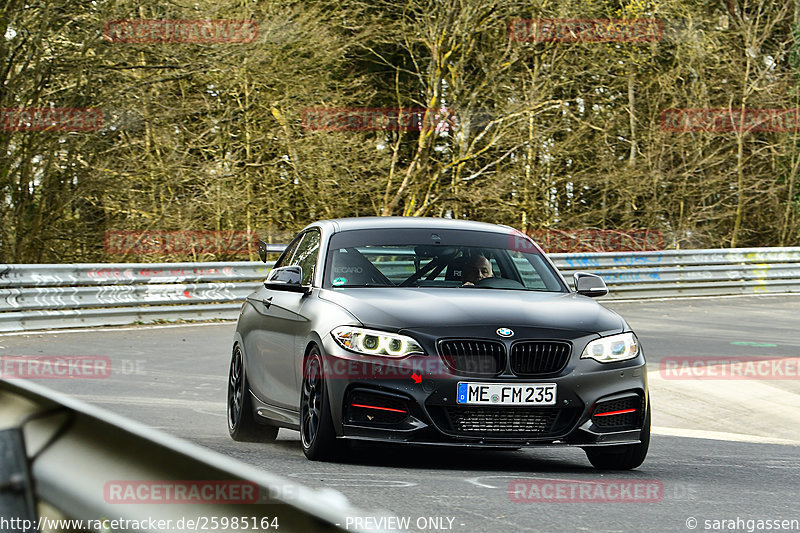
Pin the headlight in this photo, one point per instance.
(612, 349)
(371, 342)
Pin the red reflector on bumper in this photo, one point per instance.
(620, 412)
(377, 407)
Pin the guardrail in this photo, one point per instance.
(70, 458)
(62, 296)
(671, 273)
(73, 295)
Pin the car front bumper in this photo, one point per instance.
(413, 401)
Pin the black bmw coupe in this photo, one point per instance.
(434, 332)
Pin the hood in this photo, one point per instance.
(395, 308)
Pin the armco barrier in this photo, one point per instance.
(671, 273)
(76, 455)
(61, 296)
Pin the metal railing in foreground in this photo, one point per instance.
(65, 459)
(63, 296)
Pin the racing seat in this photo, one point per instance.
(350, 267)
(454, 269)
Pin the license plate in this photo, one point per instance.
(506, 393)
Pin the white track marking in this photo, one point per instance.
(759, 411)
(721, 435)
(150, 402)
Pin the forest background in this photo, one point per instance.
(260, 132)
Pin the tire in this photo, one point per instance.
(317, 434)
(625, 457)
(242, 425)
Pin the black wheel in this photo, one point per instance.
(625, 457)
(241, 423)
(316, 425)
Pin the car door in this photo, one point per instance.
(272, 343)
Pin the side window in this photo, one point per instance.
(305, 256)
(286, 258)
(530, 276)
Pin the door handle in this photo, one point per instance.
(267, 302)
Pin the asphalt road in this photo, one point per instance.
(713, 455)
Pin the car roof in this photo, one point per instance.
(358, 223)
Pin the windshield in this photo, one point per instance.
(428, 258)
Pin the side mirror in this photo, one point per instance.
(589, 285)
(262, 250)
(288, 278)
